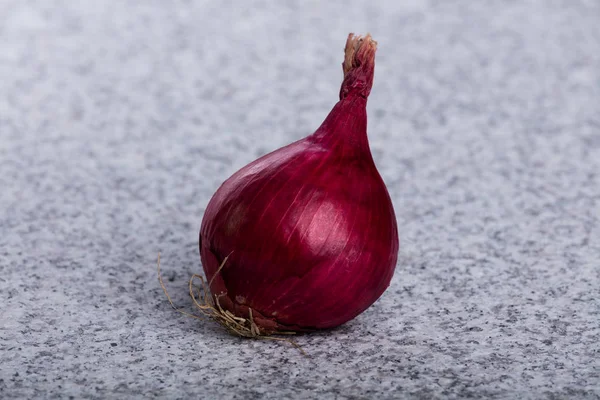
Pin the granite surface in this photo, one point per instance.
(119, 119)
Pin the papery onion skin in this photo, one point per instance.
(310, 228)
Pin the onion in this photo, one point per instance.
(305, 237)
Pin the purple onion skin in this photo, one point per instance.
(310, 228)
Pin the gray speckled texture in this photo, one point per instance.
(119, 119)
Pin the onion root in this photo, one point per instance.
(209, 307)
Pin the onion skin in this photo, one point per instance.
(310, 228)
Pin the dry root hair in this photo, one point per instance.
(209, 307)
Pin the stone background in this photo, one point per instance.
(119, 119)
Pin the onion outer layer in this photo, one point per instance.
(309, 230)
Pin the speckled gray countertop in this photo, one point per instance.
(119, 119)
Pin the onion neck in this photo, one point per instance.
(346, 124)
(345, 127)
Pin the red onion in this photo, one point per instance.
(309, 229)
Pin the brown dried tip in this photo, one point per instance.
(359, 50)
(358, 66)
